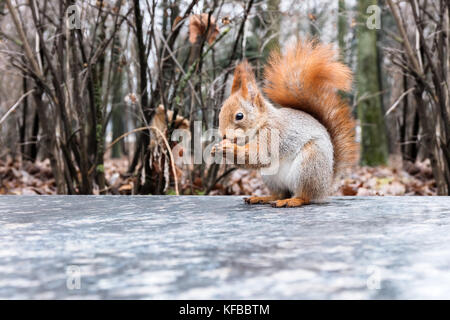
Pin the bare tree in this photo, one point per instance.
(425, 59)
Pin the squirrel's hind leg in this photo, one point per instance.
(261, 200)
(290, 202)
(315, 171)
(275, 195)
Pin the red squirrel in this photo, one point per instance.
(315, 126)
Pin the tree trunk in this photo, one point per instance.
(117, 102)
(274, 32)
(342, 27)
(23, 127)
(370, 111)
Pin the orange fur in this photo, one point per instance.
(244, 88)
(244, 80)
(307, 78)
(261, 200)
(290, 203)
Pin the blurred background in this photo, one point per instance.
(91, 91)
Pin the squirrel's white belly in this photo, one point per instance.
(282, 176)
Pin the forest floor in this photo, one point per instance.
(413, 179)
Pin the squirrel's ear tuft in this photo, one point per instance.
(244, 80)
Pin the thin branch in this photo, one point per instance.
(398, 101)
(14, 107)
(172, 162)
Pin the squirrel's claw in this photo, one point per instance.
(214, 150)
(224, 147)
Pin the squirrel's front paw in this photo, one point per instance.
(214, 150)
(224, 147)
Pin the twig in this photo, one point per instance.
(408, 47)
(191, 69)
(23, 37)
(14, 107)
(398, 101)
(172, 162)
(217, 180)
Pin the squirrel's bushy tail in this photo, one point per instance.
(307, 78)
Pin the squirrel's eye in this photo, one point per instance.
(239, 116)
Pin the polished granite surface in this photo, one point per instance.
(158, 247)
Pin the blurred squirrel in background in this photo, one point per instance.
(315, 127)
